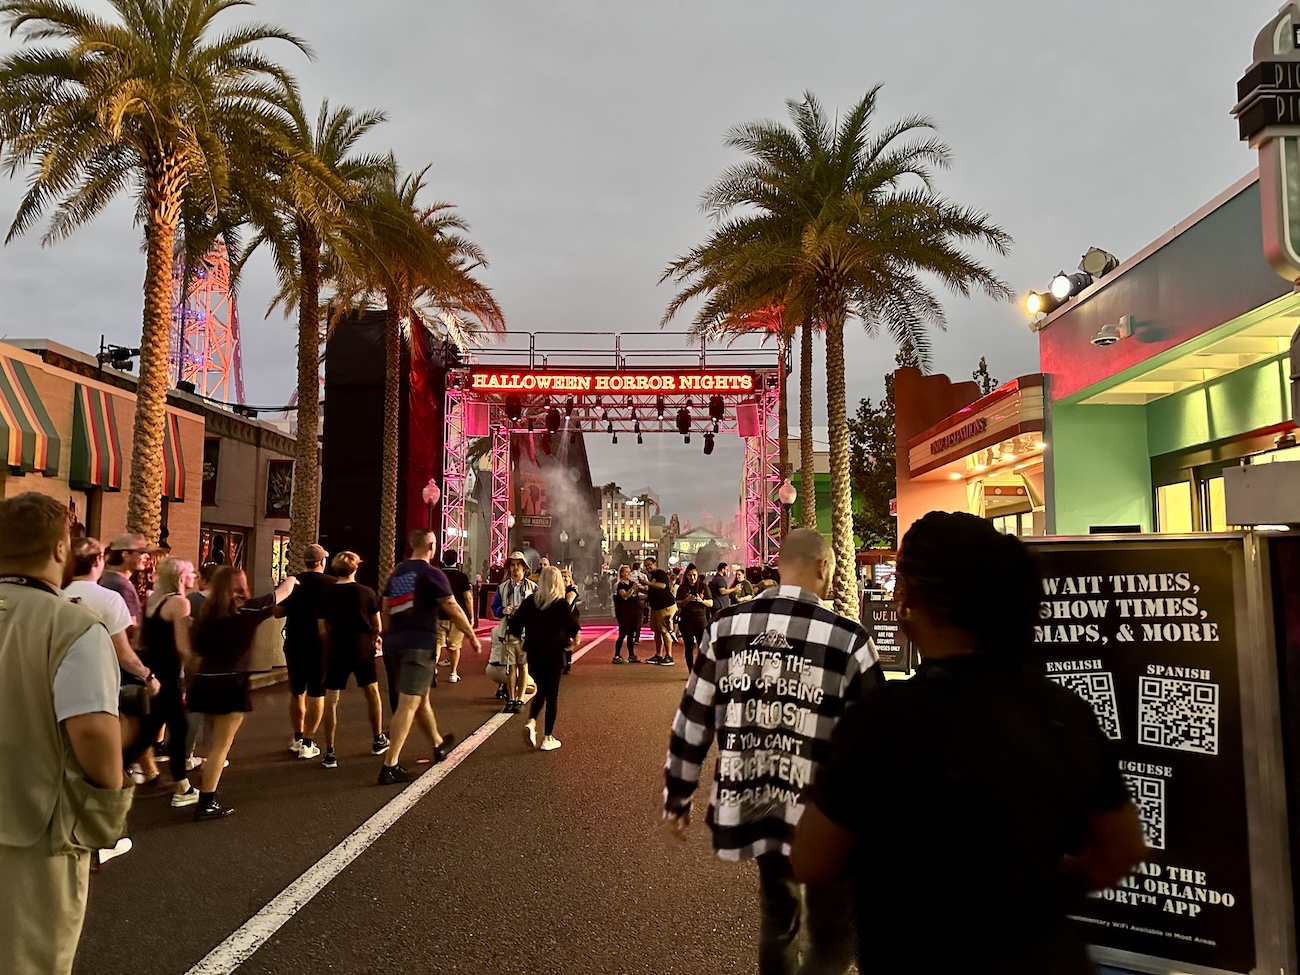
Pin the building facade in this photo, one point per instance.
(625, 521)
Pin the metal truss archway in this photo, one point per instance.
(590, 386)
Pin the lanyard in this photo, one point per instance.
(29, 583)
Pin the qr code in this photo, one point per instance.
(1179, 714)
(1149, 797)
(1098, 689)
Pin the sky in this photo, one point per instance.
(576, 137)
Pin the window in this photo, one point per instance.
(280, 557)
(222, 545)
(1213, 505)
(1021, 524)
(1174, 513)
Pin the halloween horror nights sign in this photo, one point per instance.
(507, 381)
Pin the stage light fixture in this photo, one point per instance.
(1041, 303)
(659, 406)
(553, 420)
(514, 408)
(688, 438)
(708, 443)
(639, 438)
(629, 402)
(568, 407)
(717, 408)
(1068, 285)
(683, 420)
(615, 440)
(610, 428)
(1098, 262)
(530, 424)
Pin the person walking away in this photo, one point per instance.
(304, 653)
(722, 588)
(547, 625)
(223, 642)
(574, 600)
(350, 630)
(413, 597)
(165, 647)
(663, 607)
(785, 654)
(1009, 786)
(509, 596)
(61, 782)
(451, 639)
(694, 607)
(199, 726)
(627, 613)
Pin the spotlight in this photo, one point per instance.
(639, 438)
(1041, 303)
(717, 408)
(629, 402)
(514, 408)
(708, 443)
(659, 406)
(552, 420)
(1098, 262)
(610, 428)
(683, 420)
(597, 402)
(688, 438)
(636, 426)
(716, 426)
(568, 407)
(1068, 285)
(615, 441)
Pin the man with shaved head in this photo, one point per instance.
(773, 677)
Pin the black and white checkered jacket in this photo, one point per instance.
(772, 679)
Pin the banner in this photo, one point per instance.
(1147, 633)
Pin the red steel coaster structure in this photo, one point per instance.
(631, 383)
(204, 348)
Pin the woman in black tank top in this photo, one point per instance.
(165, 648)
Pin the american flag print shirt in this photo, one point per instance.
(772, 679)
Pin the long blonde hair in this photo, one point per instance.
(550, 587)
(167, 581)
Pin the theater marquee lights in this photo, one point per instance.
(632, 382)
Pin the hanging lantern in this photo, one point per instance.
(787, 492)
(431, 493)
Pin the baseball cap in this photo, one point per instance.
(517, 557)
(315, 554)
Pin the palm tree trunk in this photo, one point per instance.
(846, 587)
(392, 405)
(807, 460)
(304, 509)
(783, 425)
(164, 183)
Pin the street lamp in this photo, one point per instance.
(564, 541)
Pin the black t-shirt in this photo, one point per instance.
(694, 612)
(626, 604)
(302, 608)
(661, 598)
(720, 599)
(999, 775)
(350, 608)
(460, 585)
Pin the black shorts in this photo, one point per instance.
(341, 666)
(218, 694)
(306, 670)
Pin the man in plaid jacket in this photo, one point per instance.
(773, 677)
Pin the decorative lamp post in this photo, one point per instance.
(431, 495)
(787, 492)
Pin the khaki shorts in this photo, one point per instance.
(450, 635)
(514, 655)
(661, 620)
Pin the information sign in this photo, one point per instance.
(880, 620)
(1147, 633)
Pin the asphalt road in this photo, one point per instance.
(516, 861)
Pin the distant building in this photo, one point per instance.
(689, 544)
(625, 520)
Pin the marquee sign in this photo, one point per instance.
(630, 382)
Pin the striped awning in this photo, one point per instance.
(30, 440)
(173, 460)
(96, 446)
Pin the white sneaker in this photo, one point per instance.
(530, 732)
(309, 751)
(295, 746)
(192, 763)
(180, 799)
(454, 678)
(444, 663)
(123, 846)
(550, 743)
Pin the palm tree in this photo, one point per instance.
(152, 99)
(418, 258)
(314, 173)
(837, 222)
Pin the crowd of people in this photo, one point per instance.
(1009, 787)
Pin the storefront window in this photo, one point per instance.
(1020, 524)
(222, 545)
(1216, 513)
(1174, 508)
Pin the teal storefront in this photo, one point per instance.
(1142, 428)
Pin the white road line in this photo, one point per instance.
(258, 929)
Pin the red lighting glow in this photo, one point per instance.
(635, 383)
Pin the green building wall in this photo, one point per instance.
(822, 485)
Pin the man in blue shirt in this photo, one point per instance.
(414, 595)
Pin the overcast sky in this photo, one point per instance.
(576, 137)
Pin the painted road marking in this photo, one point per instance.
(257, 930)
